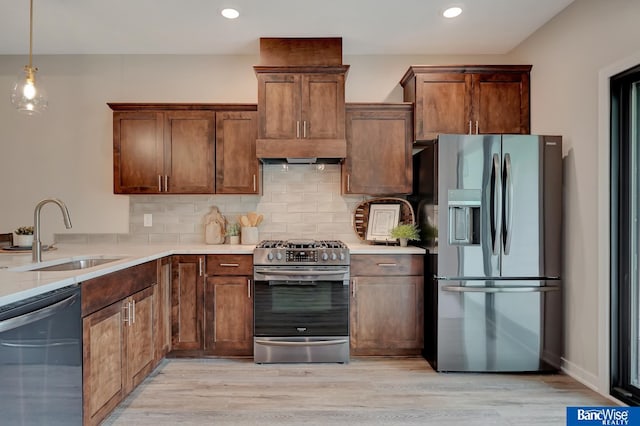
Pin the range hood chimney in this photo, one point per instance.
(301, 106)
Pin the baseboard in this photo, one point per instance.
(588, 379)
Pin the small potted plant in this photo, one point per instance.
(23, 236)
(233, 231)
(405, 232)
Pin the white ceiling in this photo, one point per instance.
(367, 27)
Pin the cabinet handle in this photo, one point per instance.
(254, 184)
(304, 129)
(477, 127)
(231, 265)
(348, 183)
(126, 319)
(200, 265)
(166, 183)
(249, 288)
(297, 129)
(387, 264)
(470, 127)
(353, 288)
(133, 311)
(159, 183)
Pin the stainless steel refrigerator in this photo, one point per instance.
(489, 208)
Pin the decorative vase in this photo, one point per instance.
(403, 242)
(22, 240)
(249, 235)
(234, 239)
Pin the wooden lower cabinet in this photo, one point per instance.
(386, 305)
(187, 303)
(118, 337)
(163, 309)
(229, 305)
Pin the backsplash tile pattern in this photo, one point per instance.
(298, 201)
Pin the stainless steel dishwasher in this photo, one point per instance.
(41, 360)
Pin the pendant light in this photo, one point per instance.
(26, 96)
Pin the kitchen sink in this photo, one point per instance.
(74, 264)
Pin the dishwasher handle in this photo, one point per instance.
(29, 317)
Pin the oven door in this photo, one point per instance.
(301, 301)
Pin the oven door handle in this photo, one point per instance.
(285, 343)
(283, 272)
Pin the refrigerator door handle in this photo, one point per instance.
(464, 289)
(495, 203)
(507, 208)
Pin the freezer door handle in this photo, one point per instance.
(495, 205)
(507, 208)
(464, 289)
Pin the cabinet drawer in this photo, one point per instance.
(383, 264)
(230, 264)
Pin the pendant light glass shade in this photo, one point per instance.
(26, 96)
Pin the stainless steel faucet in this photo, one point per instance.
(36, 249)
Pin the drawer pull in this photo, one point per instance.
(387, 264)
(230, 265)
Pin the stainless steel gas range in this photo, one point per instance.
(301, 301)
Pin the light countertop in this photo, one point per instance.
(17, 284)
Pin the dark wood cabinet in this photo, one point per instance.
(301, 105)
(468, 99)
(379, 149)
(163, 309)
(118, 337)
(386, 305)
(238, 171)
(185, 149)
(229, 305)
(187, 303)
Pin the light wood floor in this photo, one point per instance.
(403, 391)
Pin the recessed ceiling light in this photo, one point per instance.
(452, 12)
(230, 13)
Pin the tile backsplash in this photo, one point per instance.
(297, 201)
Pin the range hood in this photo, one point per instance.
(301, 151)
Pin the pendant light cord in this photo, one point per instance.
(30, 33)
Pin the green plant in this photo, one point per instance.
(405, 230)
(233, 230)
(24, 230)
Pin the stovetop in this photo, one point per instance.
(301, 252)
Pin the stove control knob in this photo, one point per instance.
(325, 256)
(341, 256)
(333, 256)
(270, 256)
(279, 256)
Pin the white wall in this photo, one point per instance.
(568, 55)
(67, 151)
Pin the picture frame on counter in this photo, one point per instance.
(382, 218)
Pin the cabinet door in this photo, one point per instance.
(138, 153)
(231, 328)
(103, 361)
(323, 107)
(162, 306)
(387, 315)
(501, 103)
(278, 106)
(237, 168)
(187, 293)
(140, 349)
(443, 104)
(379, 146)
(189, 152)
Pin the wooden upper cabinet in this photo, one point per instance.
(468, 99)
(138, 152)
(237, 168)
(301, 102)
(189, 141)
(171, 149)
(379, 145)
